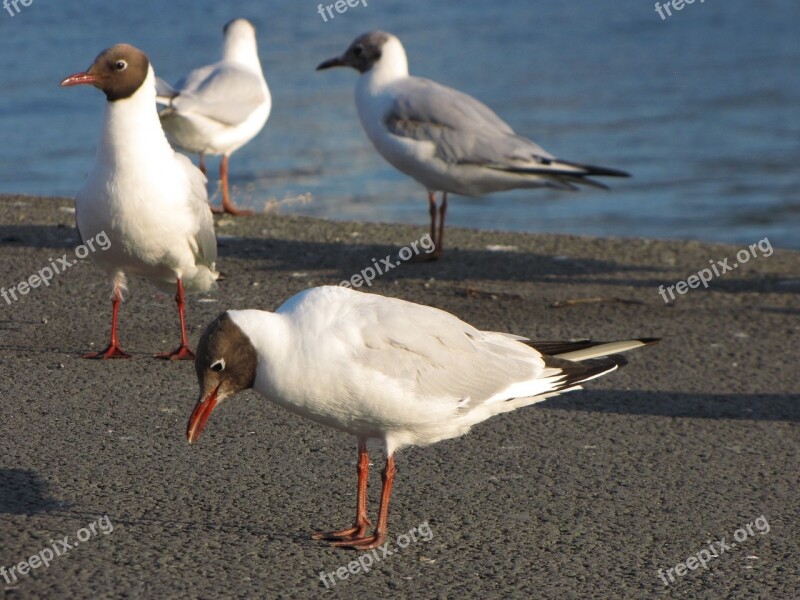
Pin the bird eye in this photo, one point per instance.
(218, 366)
(120, 65)
(358, 50)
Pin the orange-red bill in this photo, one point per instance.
(78, 79)
(199, 416)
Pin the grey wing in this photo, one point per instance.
(446, 357)
(205, 238)
(464, 130)
(222, 92)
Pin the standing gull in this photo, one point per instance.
(444, 139)
(218, 108)
(149, 200)
(384, 369)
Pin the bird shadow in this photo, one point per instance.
(343, 260)
(459, 264)
(39, 236)
(24, 492)
(746, 407)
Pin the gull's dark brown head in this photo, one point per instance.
(362, 54)
(225, 363)
(117, 71)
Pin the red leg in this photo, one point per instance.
(432, 211)
(361, 524)
(202, 164)
(378, 538)
(227, 205)
(224, 184)
(113, 350)
(442, 213)
(182, 352)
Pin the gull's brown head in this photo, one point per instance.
(225, 363)
(118, 72)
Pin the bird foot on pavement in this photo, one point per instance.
(113, 351)
(181, 353)
(357, 531)
(362, 543)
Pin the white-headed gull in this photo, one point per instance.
(444, 139)
(384, 369)
(218, 108)
(149, 200)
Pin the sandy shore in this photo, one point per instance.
(583, 496)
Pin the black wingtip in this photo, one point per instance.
(594, 169)
(575, 373)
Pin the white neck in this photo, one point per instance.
(269, 334)
(393, 65)
(240, 47)
(131, 126)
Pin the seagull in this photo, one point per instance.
(149, 200)
(384, 369)
(218, 108)
(444, 139)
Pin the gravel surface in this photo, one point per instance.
(583, 496)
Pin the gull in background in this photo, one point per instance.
(444, 139)
(218, 108)
(384, 369)
(149, 200)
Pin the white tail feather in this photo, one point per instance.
(602, 350)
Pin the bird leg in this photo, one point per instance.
(182, 352)
(113, 350)
(432, 211)
(227, 205)
(378, 538)
(202, 164)
(442, 212)
(359, 528)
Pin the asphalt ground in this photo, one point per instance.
(587, 495)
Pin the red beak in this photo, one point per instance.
(200, 414)
(78, 79)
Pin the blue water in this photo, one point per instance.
(703, 108)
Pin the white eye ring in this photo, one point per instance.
(121, 65)
(218, 366)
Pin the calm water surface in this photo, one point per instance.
(703, 108)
